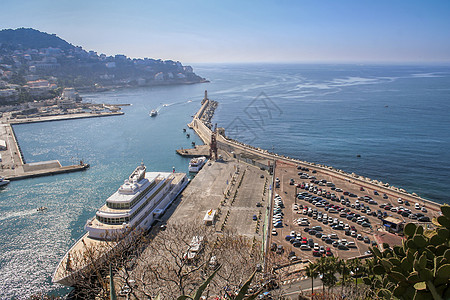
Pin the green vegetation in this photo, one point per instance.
(31, 38)
(420, 268)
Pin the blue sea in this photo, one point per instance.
(397, 118)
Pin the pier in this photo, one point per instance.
(211, 189)
(63, 117)
(266, 160)
(201, 150)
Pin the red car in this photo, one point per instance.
(329, 253)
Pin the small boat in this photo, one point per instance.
(42, 208)
(188, 135)
(196, 164)
(153, 113)
(193, 144)
(3, 181)
(184, 129)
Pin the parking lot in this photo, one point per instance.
(315, 213)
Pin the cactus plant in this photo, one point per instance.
(420, 268)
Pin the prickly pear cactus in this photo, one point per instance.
(420, 268)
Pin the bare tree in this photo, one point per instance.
(171, 263)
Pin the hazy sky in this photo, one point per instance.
(246, 31)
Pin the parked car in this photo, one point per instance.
(351, 244)
(424, 219)
(342, 247)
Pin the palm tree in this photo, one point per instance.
(329, 278)
(322, 269)
(343, 270)
(311, 272)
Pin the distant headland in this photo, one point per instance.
(35, 65)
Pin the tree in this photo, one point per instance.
(171, 265)
(311, 272)
(343, 270)
(322, 269)
(329, 278)
(356, 267)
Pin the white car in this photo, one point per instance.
(351, 244)
(417, 206)
(274, 232)
(399, 200)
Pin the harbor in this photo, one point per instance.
(282, 182)
(78, 202)
(242, 188)
(13, 163)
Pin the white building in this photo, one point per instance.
(159, 76)
(2, 145)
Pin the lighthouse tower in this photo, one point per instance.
(206, 97)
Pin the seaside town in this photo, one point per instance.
(242, 222)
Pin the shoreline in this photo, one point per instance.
(114, 87)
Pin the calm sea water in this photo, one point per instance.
(395, 117)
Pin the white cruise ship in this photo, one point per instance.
(138, 202)
(196, 164)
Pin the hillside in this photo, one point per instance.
(25, 38)
(35, 65)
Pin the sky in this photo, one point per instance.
(196, 31)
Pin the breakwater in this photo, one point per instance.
(265, 159)
(63, 117)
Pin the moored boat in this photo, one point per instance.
(3, 181)
(134, 207)
(153, 113)
(196, 164)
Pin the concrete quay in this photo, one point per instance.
(63, 117)
(236, 191)
(201, 150)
